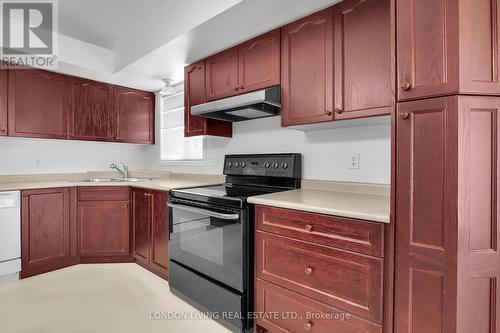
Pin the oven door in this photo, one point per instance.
(209, 241)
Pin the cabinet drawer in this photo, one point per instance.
(309, 315)
(105, 193)
(339, 278)
(348, 234)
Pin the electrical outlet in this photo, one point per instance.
(354, 161)
(212, 161)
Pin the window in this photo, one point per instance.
(174, 146)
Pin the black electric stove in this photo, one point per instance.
(211, 235)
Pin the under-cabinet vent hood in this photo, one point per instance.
(253, 105)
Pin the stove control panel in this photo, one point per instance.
(270, 165)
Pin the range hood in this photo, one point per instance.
(253, 105)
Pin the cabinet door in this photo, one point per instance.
(426, 230)
(364, 75)
(39, 102)
(307, 70)
(91, 111)
(141, 224)
(159, 233)
(222, 75)
(194, 94)
(259, 62)
(103, 228)
(3, 101)
(45, 229)
(134, 116)
(427, 33)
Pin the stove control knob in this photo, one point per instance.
(235, 164)
(276, 165)
(267, 165)
(284, 165)
(243, 164)
(229, 164)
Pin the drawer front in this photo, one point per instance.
(346, 280)
(105, 193)
(282, 311)
(347, 234)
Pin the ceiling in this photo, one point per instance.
(99, 22)
(149, 40)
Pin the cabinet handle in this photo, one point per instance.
(3, 130)
(308, 326)
(328, 112)
(309, 270)
(236, 89)
(241, 88)
(309, 227)
(404, 115)
(406, 86)
(338, 111)
(199, 67)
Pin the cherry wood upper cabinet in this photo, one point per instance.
(437, 57)
(141, 226)
(134, 116)
(194, 94)
(3, 101)
(39, 102)
(92, 110)
(222, 75)
(259, 62)
(364, 58)
(307, 70)
(45, 230)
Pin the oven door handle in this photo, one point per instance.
(205, 211)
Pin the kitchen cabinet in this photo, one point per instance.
(194, 94)
(133, 116)
(103, 224)
(45, 230)
(3, 101)
(447, 47)
(222, 75)
(150, 230)
(259, 62)
(38, 104)
(306, 261)
(91, 110)
(307, 70)
(364, 58)
(447, 196)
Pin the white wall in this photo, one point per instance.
(26, 156)
(326, 153)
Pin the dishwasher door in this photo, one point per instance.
(10, 235)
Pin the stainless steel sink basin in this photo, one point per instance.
(113, 180)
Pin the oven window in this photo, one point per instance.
(208, 245)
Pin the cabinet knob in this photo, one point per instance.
(406, 86)
(308, 326)
(309, 270)
(241, 88)
(404, 115)
(309, 227)
(3, 130)
(237, 88)
(328, 112)
(338, 111)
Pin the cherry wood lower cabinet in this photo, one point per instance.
(150, 230)
(447, 259)
(313, 263)
(103, 224)
(46, 231)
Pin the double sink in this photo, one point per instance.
(113, 180)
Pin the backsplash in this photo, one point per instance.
(326, 153)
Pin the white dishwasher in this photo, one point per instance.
(10, 236)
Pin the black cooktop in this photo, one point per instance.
(223, 194)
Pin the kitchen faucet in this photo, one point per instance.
(123, 172)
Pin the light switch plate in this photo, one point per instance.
(354, 161)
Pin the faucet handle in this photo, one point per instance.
(112, 166)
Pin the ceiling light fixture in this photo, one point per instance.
(168, 90)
